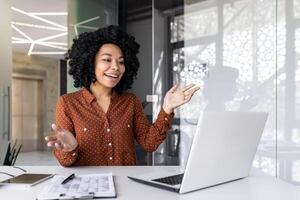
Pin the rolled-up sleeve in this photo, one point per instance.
(63, 120)
(148, 135)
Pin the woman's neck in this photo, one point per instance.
(100, 92)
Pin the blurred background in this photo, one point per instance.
(245, 55)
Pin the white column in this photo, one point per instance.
(5, 75)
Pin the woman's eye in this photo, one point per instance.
(106, 60)
(121, 62)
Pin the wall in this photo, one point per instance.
(142, 86)
(5, 50)
(49, 70)
(5, 75)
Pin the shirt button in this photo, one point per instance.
(128, 125)
(73, 154)
(108, 130)
(85, 129)
(109, 144)
(110, 158)
(166, 119)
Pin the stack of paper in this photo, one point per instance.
(82, 186)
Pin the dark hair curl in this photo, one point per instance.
(82, 54)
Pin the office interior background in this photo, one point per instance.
(245, 55)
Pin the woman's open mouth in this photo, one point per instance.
(114, 76)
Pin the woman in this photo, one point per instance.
(97, 125)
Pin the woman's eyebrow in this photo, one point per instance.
(105, 54)
(108, 54)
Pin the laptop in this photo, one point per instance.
(222, 151)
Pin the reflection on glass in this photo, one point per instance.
(296, 171)
(296, 8)
(177, 29)
(233, 50)
(296, 136)
(204, 13)
(241, 59)
(241, 36)
(220, 88)
(268, 165)
(297, 74)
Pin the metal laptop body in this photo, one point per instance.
(223, 149)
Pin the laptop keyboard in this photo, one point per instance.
(170, 180)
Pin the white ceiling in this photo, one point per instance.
(40, 27)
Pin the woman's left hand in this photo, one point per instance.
(176, 97)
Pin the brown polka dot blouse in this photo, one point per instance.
(107, 138)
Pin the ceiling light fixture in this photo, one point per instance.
(87, 27)
(21, 32)
(38, 18)
(18, 39)
(79, 25)
(30, 49)
(47, 13)
(42, 41)
(22, 41)
(47, 52)
(34, 43)
(52, 37)
(53, 46)
(38, 26)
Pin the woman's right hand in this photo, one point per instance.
(61, 139)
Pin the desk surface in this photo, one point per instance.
(257, 186)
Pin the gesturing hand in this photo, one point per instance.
(61, 139)
(176, 97)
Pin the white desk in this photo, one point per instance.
(256, 187)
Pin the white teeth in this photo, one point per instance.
(112, 75)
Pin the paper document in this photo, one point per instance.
(82, 186)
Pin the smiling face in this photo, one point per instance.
(109, 66)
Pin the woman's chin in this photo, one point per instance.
(106, 85)
(111, 85)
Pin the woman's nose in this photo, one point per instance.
(115, 65)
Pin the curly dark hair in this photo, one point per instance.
(82, 54)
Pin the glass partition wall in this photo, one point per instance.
(245, 56)
(86, 16)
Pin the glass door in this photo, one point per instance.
(245, 56)
(230, 50)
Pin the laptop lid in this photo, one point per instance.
(223, 148)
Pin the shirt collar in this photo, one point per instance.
(89, 97)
